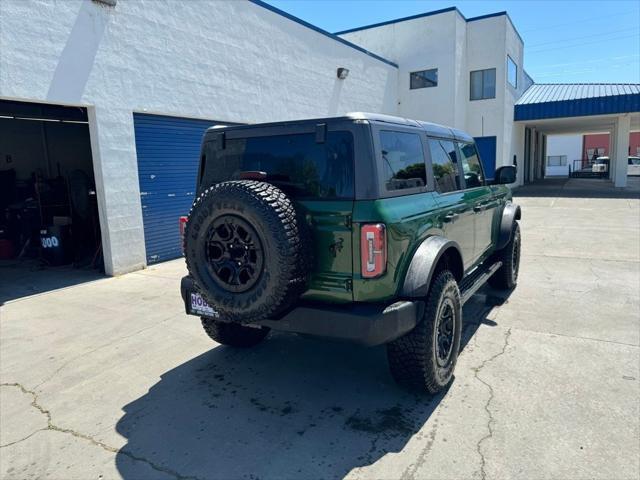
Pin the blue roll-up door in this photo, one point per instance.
(487, 151)
(168, 151)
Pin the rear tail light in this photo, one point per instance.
(182, 223)
(373, 250)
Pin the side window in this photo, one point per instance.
(471, 166)
(444, 164)
(403, 160)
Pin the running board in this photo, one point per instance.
(475, 280)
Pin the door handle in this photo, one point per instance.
(450, 217)
(478, 208)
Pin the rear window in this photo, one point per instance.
(295, 163)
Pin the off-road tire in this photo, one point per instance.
(233, 334)
(284, 245)
(412, 357)
(506, 277)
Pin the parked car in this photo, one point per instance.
(601, 165)
(368, 228)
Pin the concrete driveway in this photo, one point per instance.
(110, 379)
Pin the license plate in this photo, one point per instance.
(200, 307)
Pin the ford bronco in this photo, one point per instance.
(368, 228)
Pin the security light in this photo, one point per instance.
(343, 73)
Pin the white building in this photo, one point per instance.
(142, 79)
(562, 153)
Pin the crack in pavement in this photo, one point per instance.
(53, 427)
(491, 421)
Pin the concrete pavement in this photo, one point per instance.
(109, 379)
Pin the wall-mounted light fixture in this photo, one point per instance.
(343, 73)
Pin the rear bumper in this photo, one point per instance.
(362, 323)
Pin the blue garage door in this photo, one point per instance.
(487, 150)
(168, 155)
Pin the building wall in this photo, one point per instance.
(226, 61)
(420, 44)
(602, 140)
(456, 47)
(569, 145)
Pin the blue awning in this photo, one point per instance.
(542, 101)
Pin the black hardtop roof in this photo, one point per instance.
(433, 129)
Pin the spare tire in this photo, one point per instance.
(247, 249)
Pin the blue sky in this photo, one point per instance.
(565, 41)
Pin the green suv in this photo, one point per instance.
(368, 228)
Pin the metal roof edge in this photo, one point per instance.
(288, 16)
(429, 14)
(580, 107)
(403, 19)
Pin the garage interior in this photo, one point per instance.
(49, 224)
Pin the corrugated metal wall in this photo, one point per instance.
(168, 150)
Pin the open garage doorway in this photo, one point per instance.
(49, 225)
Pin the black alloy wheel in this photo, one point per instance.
(234, 253)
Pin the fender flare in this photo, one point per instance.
(510, 214)
(423, 264)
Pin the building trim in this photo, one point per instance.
(578, 108)
(434, 12)
(288, 16)
(403, 19)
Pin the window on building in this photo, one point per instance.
(471, 166)
(593, 153)
(403, 159)
(483, 84)
(423, 79)
(512, 72)
(557, 161)
(445, 165)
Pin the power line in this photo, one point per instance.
(593, 35)
(590, 60)
(573, 22)
(580, 44)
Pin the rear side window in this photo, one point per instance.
(445, 165)
(295, 163)
(471, 166)
(403, 160)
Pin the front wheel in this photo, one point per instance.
(233, 334)
(424, 358)
(507, 275)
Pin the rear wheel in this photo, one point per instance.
(233, 334)
(507, 275)
(424, 359)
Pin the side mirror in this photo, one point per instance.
(504, 175)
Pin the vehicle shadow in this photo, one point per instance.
(292, 407)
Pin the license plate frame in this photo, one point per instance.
(197, 305)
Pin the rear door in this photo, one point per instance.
(480, 196)
(457, 215)
(313, 165)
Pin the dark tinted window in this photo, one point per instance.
(512, 72)
(295, 163)
(423, 79)
(483, 84)
(403, 160)
(444, 163)
(471, 166)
